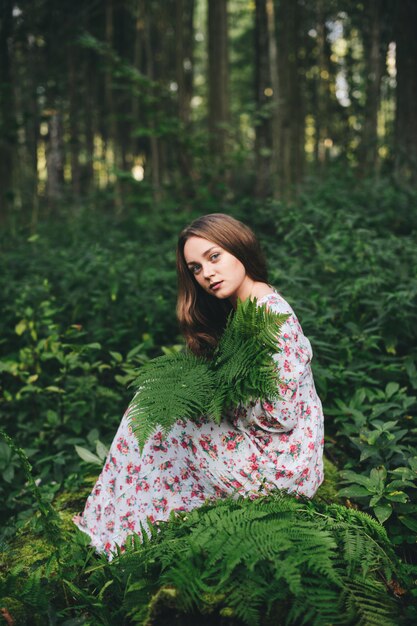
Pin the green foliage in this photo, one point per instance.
(231, 562)
(345, 256)
(182, 385)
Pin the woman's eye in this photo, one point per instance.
(195, 269)
(214, 256)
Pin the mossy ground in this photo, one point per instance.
(30, 554)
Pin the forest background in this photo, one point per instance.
(121, 121)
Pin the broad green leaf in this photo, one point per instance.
(353, 477)
(102, 450)
(397, 496)
(391, 388)
(355, 491)
(383, 512)
(21, 327)
(410, 522)
(87, 456)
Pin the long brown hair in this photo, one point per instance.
(202, 317)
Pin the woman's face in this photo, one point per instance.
(218, 272)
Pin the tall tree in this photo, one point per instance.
(218, 75)
(184, 57)
(322, 85)
(7, 120)
(266, 98)
(406, 118)
(291, 108)
(184, 52)
(111, 106)
(374, 64)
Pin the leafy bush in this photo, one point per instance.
(233, 562)
(88, 299)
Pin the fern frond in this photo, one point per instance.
(170, 387)
(276, 559)
(184, 386)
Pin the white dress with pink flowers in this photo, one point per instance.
(255, 449)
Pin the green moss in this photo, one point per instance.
(29, 550)
(327, 491)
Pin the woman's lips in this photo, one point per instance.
(216, 286)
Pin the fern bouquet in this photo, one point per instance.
(185, 386)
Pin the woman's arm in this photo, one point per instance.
(293, 366)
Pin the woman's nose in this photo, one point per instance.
(208, 271)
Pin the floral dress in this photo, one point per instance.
(255, 449)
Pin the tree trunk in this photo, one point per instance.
(266, 97)
(406, 118)
(184, 57)
(184, 73)
(74, 141)
(150, 72)
(87, 178)
(138, 49)
(32, 131)
(291, 111)
(374, 60)
(218, 76)
(322, 90)
(54, 157)
(111, 110)
(7, 121)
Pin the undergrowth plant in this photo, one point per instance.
(184, 386)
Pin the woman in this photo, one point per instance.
(256, 448)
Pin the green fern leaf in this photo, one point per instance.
(183, 386)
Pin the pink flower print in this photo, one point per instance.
(209, 447)
(133, 469)
(112, 462)
(131, 501)
(295, 449)
(158, 443)
(309, 432)
(107, 547)
(160, 504)
(171, 483)
(268, 407)
(123, 446)
(110, 525)
(184, 473)
(254, 465)
(287, 366)
(174, 440)
(142, 485)
(311, 446)
(187, 442)
(165, 465)
(283, 438)
(109, 509)
(231, 445)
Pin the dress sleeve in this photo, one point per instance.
(293, 368)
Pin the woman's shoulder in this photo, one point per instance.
(275, 301)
